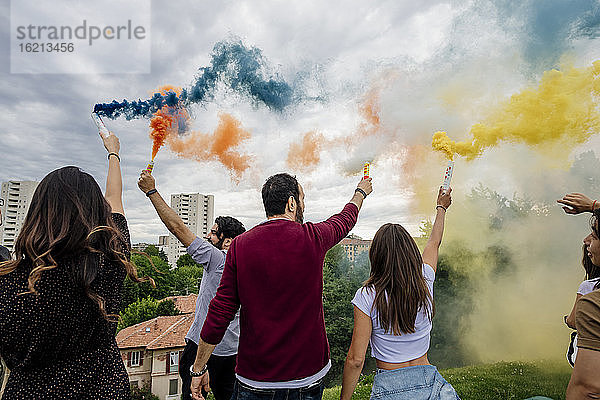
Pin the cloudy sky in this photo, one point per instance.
(430, 65)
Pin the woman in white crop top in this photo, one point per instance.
(393, 311)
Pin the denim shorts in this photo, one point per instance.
(242, 391)
(421, 382)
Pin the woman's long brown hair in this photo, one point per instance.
(69, 223)
(397, 278)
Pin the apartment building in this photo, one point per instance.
(16, 197)
(197, 211)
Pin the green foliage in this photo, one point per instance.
(504, 380)
(511, 380)
(184, 260)
(182, 280)
(152, 250)
(143, 393)
(161, 274)
(361, 268)
(336, 261)
(502, 208)
(340, 284)
(339, 321)
(145, 309)
(453, 301)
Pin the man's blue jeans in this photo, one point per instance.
(422, 382)
(245, 392)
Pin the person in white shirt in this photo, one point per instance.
(393, 312)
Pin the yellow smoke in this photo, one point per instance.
(556, 116)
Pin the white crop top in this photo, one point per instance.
(587, 286)
(405, 347)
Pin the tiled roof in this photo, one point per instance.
(353, 241)
(185, 304)
(157, 333)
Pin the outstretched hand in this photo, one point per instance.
(444, 198)
(146, 181)
(576, 203)
(366, 185)
(111, 143)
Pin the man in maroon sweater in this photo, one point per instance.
(275, 273)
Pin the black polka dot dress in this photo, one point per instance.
(57, 345)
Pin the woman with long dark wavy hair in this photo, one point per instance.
(59, 299)
(393, 311)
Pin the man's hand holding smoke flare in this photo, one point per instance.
(577, 203)
(146, 181)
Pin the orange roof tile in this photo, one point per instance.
(157, 333)
(185, 304)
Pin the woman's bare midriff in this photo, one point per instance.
(417, 361)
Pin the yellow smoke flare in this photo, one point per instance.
(561, 113)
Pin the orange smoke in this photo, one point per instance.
(166, 121)
(218, 146)
(307, 154)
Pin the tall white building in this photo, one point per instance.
(17, 197)
(197, 211)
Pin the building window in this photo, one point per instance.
(134, 384)
(135, 358)
(173, 387)
(174, 362)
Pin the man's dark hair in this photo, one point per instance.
(277, 190)
(229, 227)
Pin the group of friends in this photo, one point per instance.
(259, 327)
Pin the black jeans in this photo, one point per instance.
(311, 392)
(220, 369)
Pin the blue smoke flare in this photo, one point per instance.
(240, 68)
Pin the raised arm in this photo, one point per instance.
(168, 216)
(431, 250)
(114, 184)
(364, 188)
(577, 203)
(336, 227)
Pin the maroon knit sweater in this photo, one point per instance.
(275, 273)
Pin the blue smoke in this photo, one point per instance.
(240, 68)
(550, 26)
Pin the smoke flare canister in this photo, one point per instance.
(100, 124)
(150, 167)
(448, 176)
(366, 169)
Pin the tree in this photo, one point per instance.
(144, 310)
(143, 393)
(337, 261)
(339, 322)
(155, 268)
(186, 279)
(152, 250)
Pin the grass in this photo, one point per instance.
(499, 381)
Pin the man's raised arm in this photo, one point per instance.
(168, 216)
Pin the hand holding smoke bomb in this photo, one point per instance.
(102, 129)
(146, 182)
(444, 198)
(448, 176)
(111, 144)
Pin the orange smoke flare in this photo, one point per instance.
(166, 120)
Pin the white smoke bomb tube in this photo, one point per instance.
(100, 124)
(448, 176)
